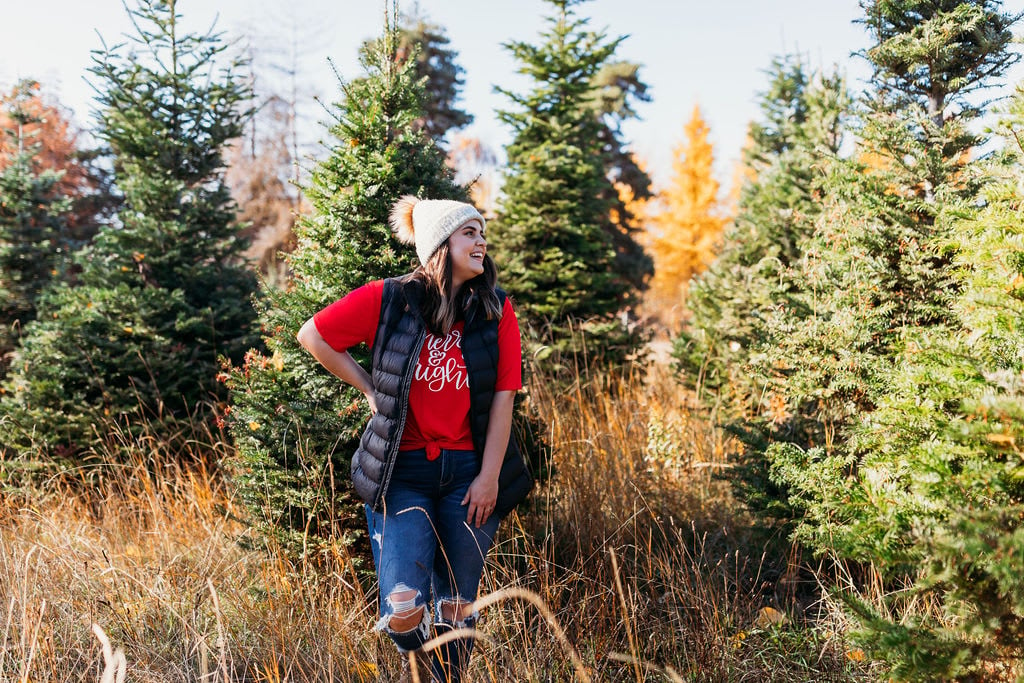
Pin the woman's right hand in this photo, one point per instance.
(371, 398)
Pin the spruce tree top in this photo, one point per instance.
(937, 52)
(564, 67)
(379, 153)
(170, 101)
(440, 76)
(553, 239)
(295, 425)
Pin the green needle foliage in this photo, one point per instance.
(33, 218)
(295, 425)
(795, 140)
(876, 382)
(878, 265)
(792, 146)
(937, 502)
(441, 75)
(162, 294)
(571, 268)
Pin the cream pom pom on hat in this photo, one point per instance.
(427, 223)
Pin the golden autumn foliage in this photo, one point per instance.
(685, 220)
(635, 207)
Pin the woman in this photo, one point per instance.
(446, 363)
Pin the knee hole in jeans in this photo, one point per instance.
(458, 612)
(407, 615)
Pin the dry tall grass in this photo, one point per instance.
(630, 564)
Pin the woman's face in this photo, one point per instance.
(466, 248)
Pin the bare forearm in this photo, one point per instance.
(483, 492)
(499, 428)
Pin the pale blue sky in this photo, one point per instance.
(707, 52)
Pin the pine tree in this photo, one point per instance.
(722, 347)
(163, 294)
(295, 426)
(937, 502)
(614, 89)
(875, 268)
(435, 64)
(877, 375)
(83, 174)
(33, 218)
(554, 238)
(798, 135)
(688, 226)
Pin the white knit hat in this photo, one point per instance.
(427, 223)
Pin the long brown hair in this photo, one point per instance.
(441, 308)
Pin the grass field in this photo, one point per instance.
(632, 563)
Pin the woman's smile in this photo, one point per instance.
(467, 247)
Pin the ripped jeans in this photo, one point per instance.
(426, 553)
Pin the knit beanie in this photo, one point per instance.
(427, 223)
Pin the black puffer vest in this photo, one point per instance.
(396, 349)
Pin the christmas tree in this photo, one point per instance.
(33, 217)
(722, 347)
(436, 68)
(555, 240)
(295, 425)
(876, 266)
(891, 410)
(163, 294)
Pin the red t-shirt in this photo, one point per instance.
(439, 395)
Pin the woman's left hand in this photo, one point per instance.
(480, 498)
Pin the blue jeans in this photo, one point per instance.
(423, 546)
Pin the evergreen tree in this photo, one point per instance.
(295, 425)
(435, 64)
(614, 89)
(872, 392)
(83, 174)
(937, 501)
(796, 139)
(875, 267)
(554, 238)
(723, 346)
(33, 216)
(933, 54)
(163, 294)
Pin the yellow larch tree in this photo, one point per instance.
(685, 221)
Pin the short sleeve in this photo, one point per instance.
(510, 351)
(353, 319)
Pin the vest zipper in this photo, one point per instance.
(392, 456)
